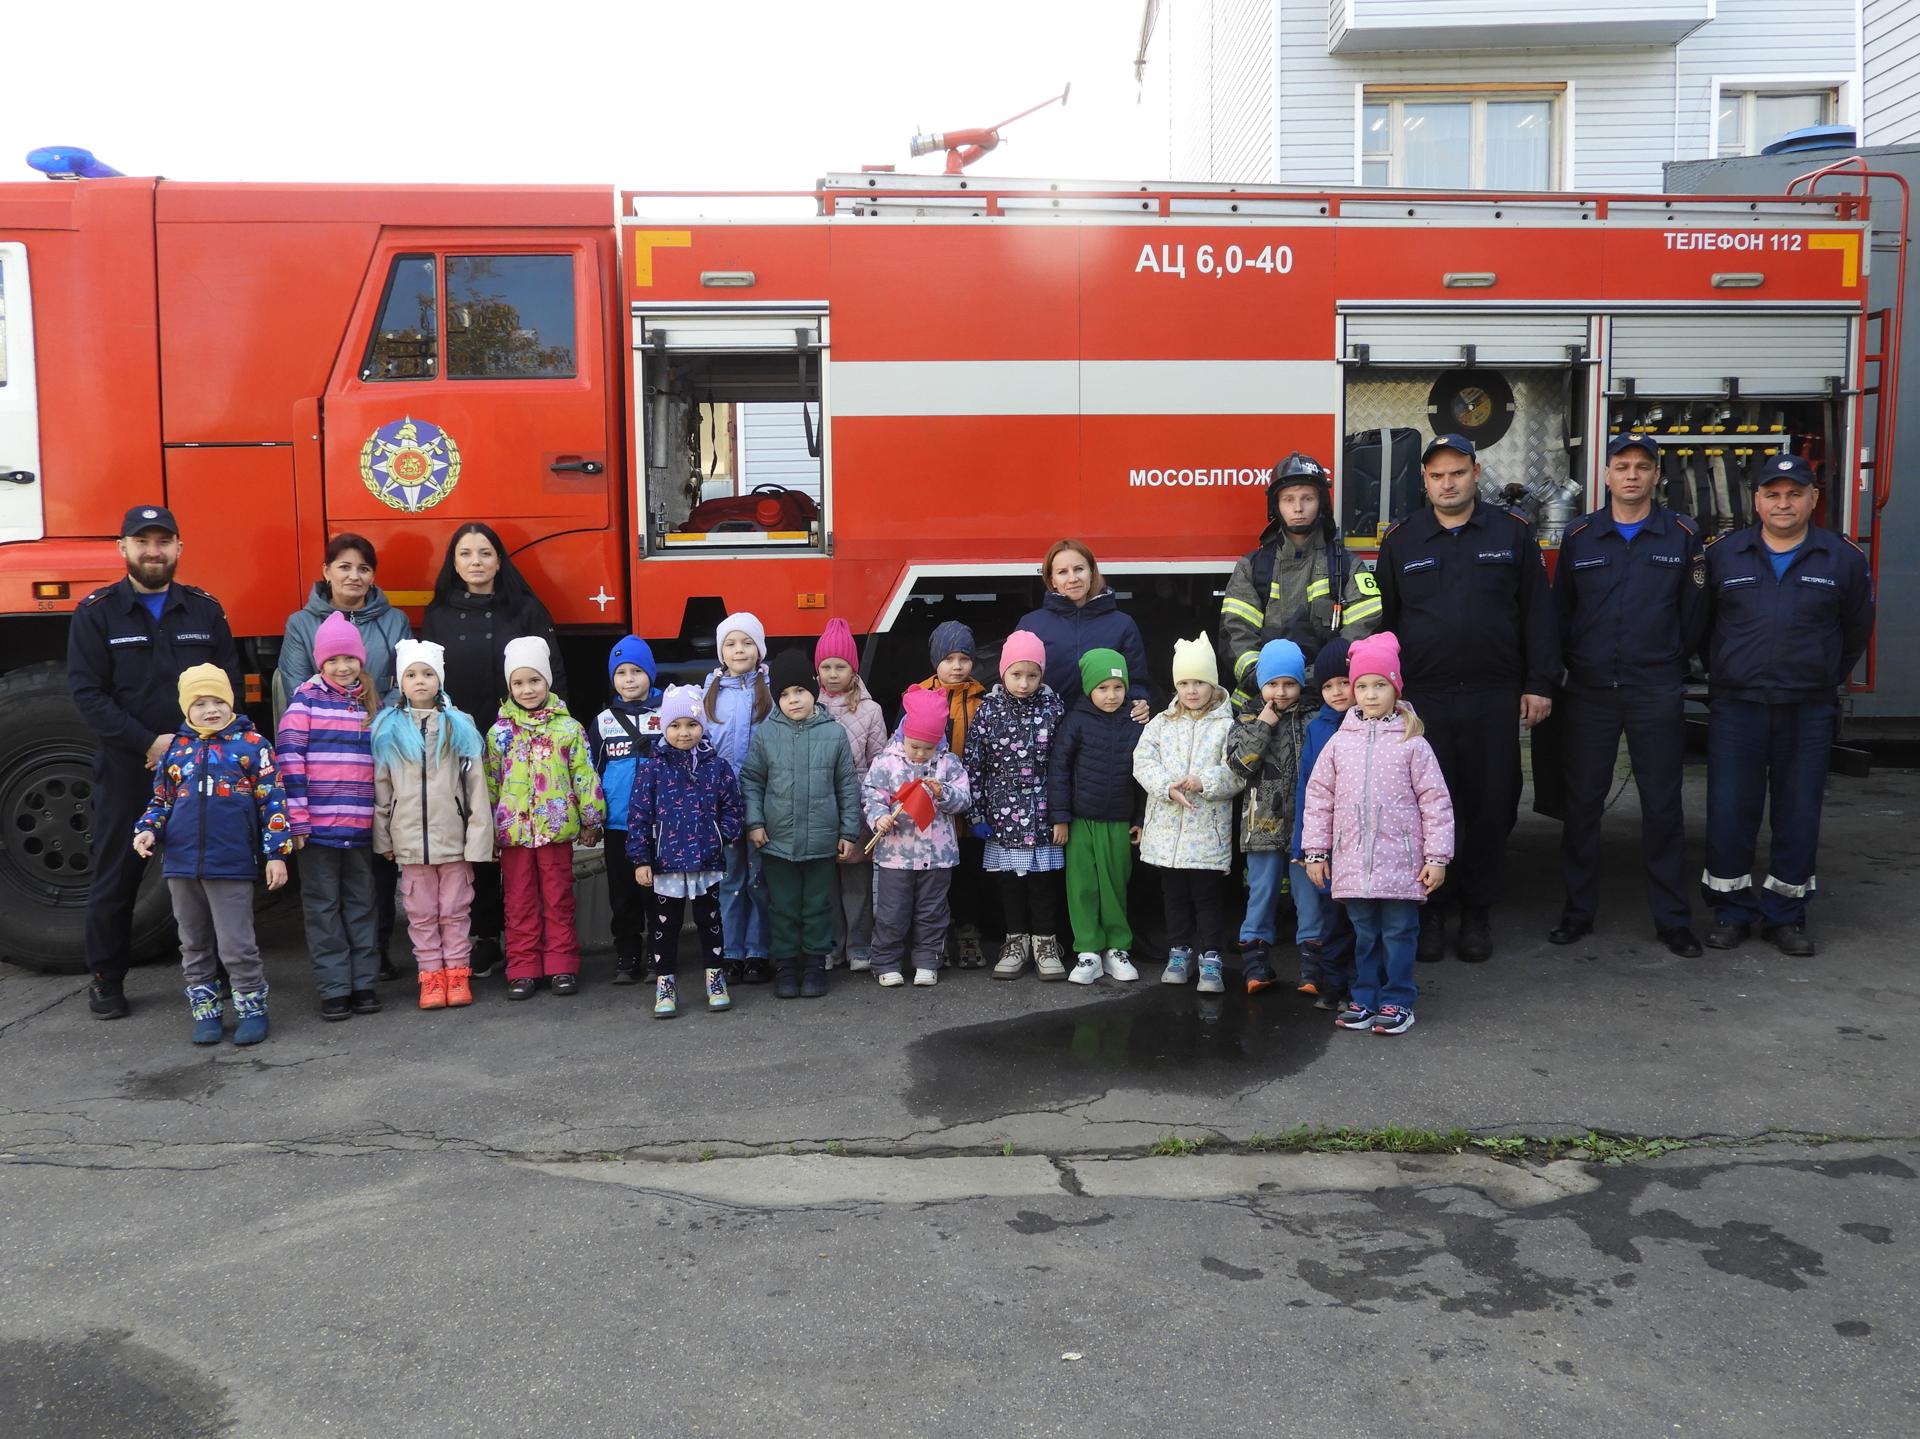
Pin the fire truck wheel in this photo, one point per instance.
(46, 816)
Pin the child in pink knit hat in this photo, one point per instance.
(915, 864)
(1379, 823)
(1009, 748)
(325, 746)
(836, 661)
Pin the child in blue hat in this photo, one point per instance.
(621, 736)
(1263, 748)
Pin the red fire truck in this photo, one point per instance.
(883, 407)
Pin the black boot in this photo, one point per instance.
(626, 970)
(1476, 937)
(386, 970)
(485, 956)
(786, 978)
(1433, 935)
(813, 981)
(759, 971)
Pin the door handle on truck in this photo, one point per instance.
(578, 467)
(17, 477)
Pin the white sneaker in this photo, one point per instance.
(1179, 967)
(859, 964)
(1212, 979)
(1085, 970)
(1120, 967)
(926, 978)
(892, 979)
(1013, 957)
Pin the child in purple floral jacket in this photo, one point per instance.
(1009, 747)
(914, 866)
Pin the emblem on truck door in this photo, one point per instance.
(410, 464)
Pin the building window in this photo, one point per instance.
(1448, 139)
(1752, 119)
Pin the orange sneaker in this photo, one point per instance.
(433, 989)
(459, 991)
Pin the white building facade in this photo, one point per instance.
(1591, 95)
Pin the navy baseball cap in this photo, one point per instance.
(1629, 441)
(148, 517)
(1448, 442)
(1784, 467)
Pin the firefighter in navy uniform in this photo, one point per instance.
(1299, 584)
(1463, 585)
(1630, 593)
(126, 649)
(1791, 609)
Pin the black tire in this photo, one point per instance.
(46, 832)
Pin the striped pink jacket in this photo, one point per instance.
(325, 748)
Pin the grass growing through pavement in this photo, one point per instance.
(1392, 1139)
(1173, 1146)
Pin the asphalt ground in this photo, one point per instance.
(899, 1211)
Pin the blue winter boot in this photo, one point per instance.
(250, 1008)
(204, 1001)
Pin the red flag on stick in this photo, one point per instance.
(912, 800)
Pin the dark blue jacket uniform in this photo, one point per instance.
(124, 668)
(1069, 631)
(1090, 775)
(1472, 611)
(1788, 640)
(1631, 614)
(124, 671)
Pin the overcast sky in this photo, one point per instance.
(711, 94)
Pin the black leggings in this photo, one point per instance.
(1194, 908)
(1031, 902)
(667, 914)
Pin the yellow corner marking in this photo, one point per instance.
(1849, 248)
(645, 242)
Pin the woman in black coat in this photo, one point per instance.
(480, 601)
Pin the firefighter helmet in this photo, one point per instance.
(1297, 469)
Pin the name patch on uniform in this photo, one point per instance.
(1411, 565)
(1735, 581)
(203, 638)
(1668, 559)
(1818, 580)
(1592, 564)
(127, 639)
(1494, 557)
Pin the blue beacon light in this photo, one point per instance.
(69, 162)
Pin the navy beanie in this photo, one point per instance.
(1331, 662)
(633, 651)
(950, 636)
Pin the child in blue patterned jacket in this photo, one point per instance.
(218, 807)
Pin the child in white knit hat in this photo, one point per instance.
(1181, 762)
(545, 795)
(432, 816)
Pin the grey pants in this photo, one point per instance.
(852, 912)
(216, 923)
(912, 904)
(336, 899)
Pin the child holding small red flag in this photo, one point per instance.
(910, 796)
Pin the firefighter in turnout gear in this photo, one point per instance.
(1299, 584)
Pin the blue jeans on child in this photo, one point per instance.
(1266, 872)
(743, 903)
(1385, 932)
(1308, 903)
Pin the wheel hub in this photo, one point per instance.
(46, 808)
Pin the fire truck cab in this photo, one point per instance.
(882, 406)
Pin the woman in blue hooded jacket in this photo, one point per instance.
(1081, 614)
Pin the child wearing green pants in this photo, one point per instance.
(1096, 809)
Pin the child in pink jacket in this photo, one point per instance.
(1379, 814)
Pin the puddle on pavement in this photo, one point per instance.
(105, 1382)
(1162, 1037)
